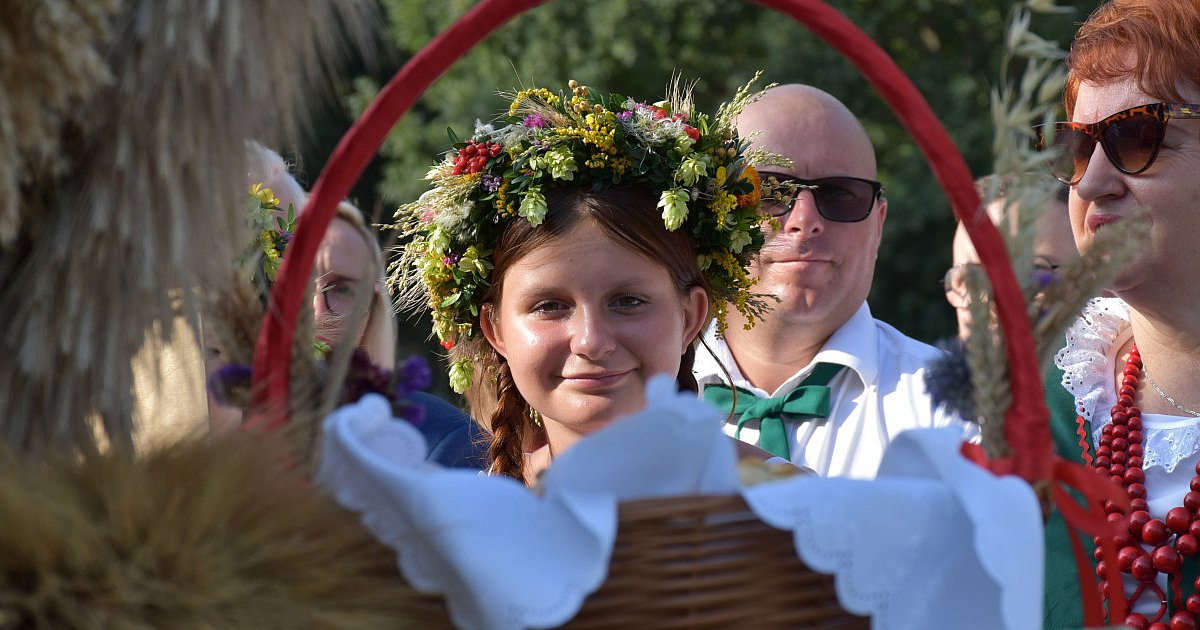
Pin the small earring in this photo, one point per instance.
(535, 417)
(493, 372)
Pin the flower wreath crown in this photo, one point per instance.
(710, 190)
(274, 230)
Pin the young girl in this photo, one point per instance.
(573, 253)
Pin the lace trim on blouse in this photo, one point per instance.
(1087, 362)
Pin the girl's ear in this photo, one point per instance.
(695, 315)
(491, 328)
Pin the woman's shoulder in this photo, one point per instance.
(454, 440)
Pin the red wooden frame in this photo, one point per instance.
(1026, 420)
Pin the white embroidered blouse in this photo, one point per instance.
(1172, 443)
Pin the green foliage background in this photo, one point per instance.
(951, 49)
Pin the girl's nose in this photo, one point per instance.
(592, 337)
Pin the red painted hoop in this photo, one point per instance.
(1026, 419)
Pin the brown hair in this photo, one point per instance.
(628, 215)
(1161, 34)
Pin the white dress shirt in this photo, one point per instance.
(879, 394)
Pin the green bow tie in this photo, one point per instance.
(807, 400)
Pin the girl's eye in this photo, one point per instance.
(338, 288)
(628, 302)
(546, 306)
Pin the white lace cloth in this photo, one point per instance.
(934, 542)
(1088, 364)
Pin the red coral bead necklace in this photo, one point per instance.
(1153, 546)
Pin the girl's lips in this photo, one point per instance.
(596, 381)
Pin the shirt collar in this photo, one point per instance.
(854, 345)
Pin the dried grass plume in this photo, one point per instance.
(205, 534)
(122, 126)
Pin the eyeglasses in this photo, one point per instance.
(840, 199)
(338, 295)
(1131, 139)
(954, 283)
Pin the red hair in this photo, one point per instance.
(1163, 36)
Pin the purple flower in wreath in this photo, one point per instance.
(491, 183)
(534, 121)
(451, 259)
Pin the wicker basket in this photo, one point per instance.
(708, 562)
(700, 562)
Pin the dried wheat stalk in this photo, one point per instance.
(128, 184)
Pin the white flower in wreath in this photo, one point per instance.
(512, 135)
(452, 217)
(652, 131)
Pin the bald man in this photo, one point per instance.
(840, 383)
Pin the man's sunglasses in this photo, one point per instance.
(1131, 139)
(840, 199)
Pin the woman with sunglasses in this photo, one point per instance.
(1132, 363)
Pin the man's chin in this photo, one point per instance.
(800, 310)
